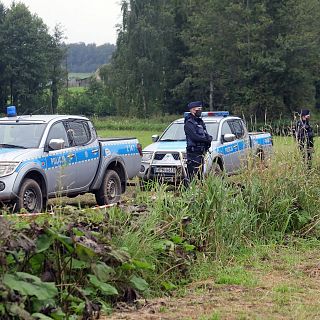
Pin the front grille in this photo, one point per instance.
(160, 156)
(176, 156)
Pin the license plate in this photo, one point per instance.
(164, 170)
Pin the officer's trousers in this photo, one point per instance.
(195, 163)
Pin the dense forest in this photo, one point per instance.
(83, 57)
(251, 57)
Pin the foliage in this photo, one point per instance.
(83, 57)
(30, 60)
(252, 57)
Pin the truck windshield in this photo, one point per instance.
(175, 131)
(18, 135)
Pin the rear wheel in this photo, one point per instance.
(30, 197)
(110, 189)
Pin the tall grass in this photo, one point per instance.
(219, 217)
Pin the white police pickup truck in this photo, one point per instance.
(165, 159)
(45, 156)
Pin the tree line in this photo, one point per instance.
(31, 74)
(83, 57)
(247, 56)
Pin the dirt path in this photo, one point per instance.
(287, 286)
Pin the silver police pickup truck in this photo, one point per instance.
(45, 156)
(232, 144)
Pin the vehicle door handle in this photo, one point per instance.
(71, 155)
(235, 147)
(95, 150)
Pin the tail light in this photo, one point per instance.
(139, 147)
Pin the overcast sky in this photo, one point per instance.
(89, 21)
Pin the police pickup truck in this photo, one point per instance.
(46, 156)
(165, 159)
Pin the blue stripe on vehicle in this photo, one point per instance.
(62, 159)
(125, 149)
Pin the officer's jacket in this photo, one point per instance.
(198, 139)
(304, 132)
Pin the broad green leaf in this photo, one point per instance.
(128, 266)
(58, 315)
(139, 283)
(168, 285)
(102, 271)
(2, 309)
(143, 265)
(43, 242)
(176, 239)
(41, 316)
(30, 285)
(84, 252)
(188, 247)
(105, 288)
(76, 264)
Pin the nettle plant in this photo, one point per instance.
(64, 270)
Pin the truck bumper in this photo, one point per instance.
(163, 174)
(6, 187)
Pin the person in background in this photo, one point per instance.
(198, 140)
(304, 136)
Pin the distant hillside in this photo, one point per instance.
(86, 58)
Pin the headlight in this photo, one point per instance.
(147, 156)
(7, 168)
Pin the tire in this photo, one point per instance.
(216, 169)
(29, 197)
(110, 189)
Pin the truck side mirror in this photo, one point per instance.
(56, 144)
(155, 138)
(229, 137)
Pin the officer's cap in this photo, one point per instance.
(305, 112)
(195, 104)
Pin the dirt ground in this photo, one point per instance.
(287, 287)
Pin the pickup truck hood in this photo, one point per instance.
(13, 154)
(167, 146)
(173, 146)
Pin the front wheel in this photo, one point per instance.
(29, 197)
(216, 169)
(110, 189)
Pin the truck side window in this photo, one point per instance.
(225, 129)
(237, 128)
(58, 131)
(79, 132)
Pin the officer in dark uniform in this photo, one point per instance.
(198, 140)
(304, 136)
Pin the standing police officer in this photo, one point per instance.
(304, 136)
(198, 140)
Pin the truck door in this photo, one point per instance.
(59, 163)
(87, 151)
(238, 129)
(229, 150)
